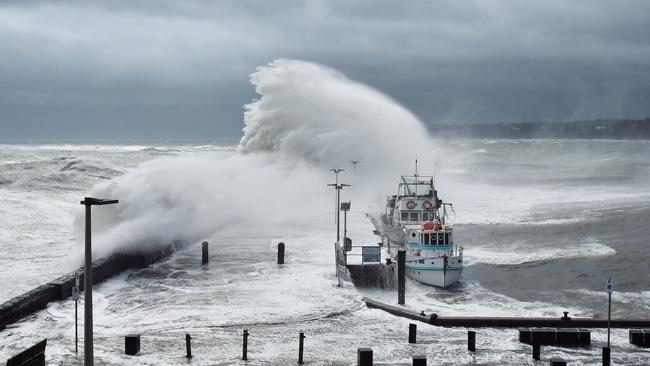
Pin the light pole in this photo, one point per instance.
(337, 211)
(88, 279)
(610, 289)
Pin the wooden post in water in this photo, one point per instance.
(536, 351)
(606, 356)
(301, 341)
(364, 356)
(419, 360)
(188, 345)
(281, 253)
(205, 253)
(245, 346)
(401, 276)
(413, 329)
(471, 341)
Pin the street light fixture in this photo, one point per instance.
(88, 279)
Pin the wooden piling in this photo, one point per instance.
(245, 346)
(206, 256)
(188, 346)
(301, 340)
(471, 341)
(281, 253)
(557, 362)
(413, 329)
(419, 360)
(401, 276)
(606, 356)
(132, 344)
(537, 350)
(364, 357)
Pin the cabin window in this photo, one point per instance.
(427, 239)
(447, 238)
(413, 235)
(427, 216)
(414, 216)
(404, 216)
(441, 239)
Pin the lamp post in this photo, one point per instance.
(337, 212)
(610, 289)
(88, 279)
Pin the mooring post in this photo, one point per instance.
(301, 341)
(419, 360)
(281, 253)
(413, 328)
(401, 276)
(206, 256)
(188, 345)
(536, 351)
(606, 356)
(364, 356)
(557, 362)
(471, 341)
(245, 350)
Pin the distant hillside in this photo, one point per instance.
(623, 129)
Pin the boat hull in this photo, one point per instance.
(434, 277)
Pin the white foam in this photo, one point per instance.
(515, 254)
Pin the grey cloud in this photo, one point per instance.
(187, 63)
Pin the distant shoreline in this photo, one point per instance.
(607, 129)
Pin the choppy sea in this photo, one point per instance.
(544, 223)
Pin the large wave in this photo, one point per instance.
(308, 119)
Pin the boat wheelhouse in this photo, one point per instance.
(416, 220)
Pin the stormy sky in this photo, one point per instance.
(170, 69)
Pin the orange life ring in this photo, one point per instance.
(410, 204)
(427, 205)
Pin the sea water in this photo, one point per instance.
(541, 236)
(544, 223)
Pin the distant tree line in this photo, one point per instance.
(622, 129)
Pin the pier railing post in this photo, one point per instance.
(301, 341)
(205, 253)
(188, 345)
(413, 329)
(471, 341)
(281, 253)
(401, 276)
(245, 346)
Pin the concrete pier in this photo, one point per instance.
(506, 322)
(61, 288)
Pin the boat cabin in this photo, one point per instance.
(416, 202)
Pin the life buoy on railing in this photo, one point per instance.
(410, 204)
(427, 205)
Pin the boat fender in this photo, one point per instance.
(410, 204)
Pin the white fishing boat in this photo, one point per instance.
(417, 221)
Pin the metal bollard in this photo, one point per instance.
(419, 360)
(471, 341)
(413, 328)
(206, 257)
(401, 276)
(301, 347)
(281, 253)
(606, 356)
(364, 356)
(537, 350)
(557, 362)
(245, 350)
(188, 345)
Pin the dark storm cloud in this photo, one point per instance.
(181, 68)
